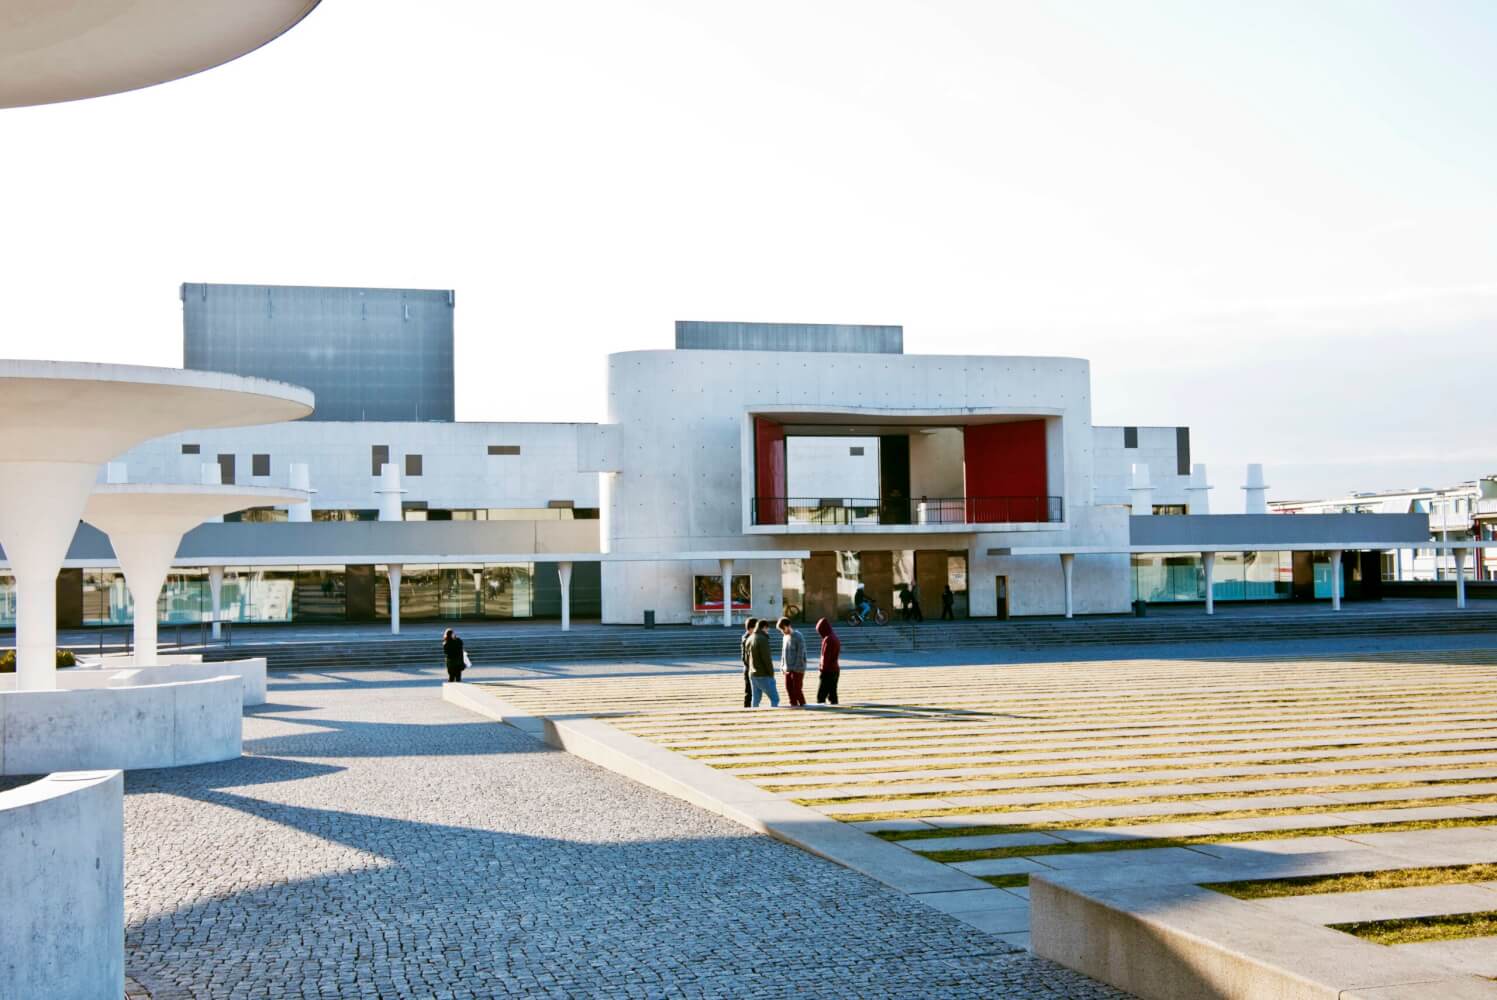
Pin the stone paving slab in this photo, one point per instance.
(1476, 956)
(998, 866)
(981, 842)
(1384, 904)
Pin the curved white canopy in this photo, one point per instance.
(65, 50)
(61, 411)
(180, 507)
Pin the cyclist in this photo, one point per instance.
(863, 603)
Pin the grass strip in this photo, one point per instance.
(1018, 880)
(1413, 930)
(1038, 850)
(1395, 878)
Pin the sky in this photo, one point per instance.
(1275, 223)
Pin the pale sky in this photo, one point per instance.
(1275, 222)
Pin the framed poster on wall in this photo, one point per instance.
(707, 594)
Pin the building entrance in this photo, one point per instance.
(1000, 588)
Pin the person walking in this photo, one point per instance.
(831, 663)
(915, 611)
(793, 662)
(743, 654)
(948, 604)
(452, 652)
(761, 665)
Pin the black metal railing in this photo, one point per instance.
(914, 511)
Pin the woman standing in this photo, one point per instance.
(452, 652)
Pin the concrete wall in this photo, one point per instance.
(1266, 530)
(1158, 448)
(457, 470)
(824, 467)
(120, 671)
(679, 420)
(162, 725)
(62, 925)
(937, 460)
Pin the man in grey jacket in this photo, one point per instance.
(793, 662)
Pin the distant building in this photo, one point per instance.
(1467, 512)
(381, 354)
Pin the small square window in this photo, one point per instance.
(259, 465)
(854, 450)
(379, 456)
(504, 449)
(413, 465)
(1130, 437)
(192, 449)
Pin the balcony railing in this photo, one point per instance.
(860, 511)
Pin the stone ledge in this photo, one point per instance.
(749, 805)
(1164, 938)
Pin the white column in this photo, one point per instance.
(301, 479)
(564, 572)
(115, 472)
(40, 504)
(1398, 564)
(1208, 563)
(726, 566)
(1067, 568)
(216, 589)
(394, 572)
(145, 558)
(1336, 580)
(1460, 577)
(1256, 500)
(1198, 493)
(389, 493)
(212, 475)
(1141, 492)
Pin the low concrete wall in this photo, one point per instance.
(158, 725)
(62, 922)
(120, 671)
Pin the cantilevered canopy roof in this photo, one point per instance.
(64, 50)
(176, 507)
(63, 411)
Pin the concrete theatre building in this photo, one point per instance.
(774, 467)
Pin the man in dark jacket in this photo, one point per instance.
(452, 654)
(761, 666)
(831, 663)
(743, 655)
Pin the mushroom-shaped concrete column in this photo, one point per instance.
(59, 422)
(145, 523)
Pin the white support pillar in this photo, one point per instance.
(212, 475)
(1067, 572)
(1256, 499)
(1141, 492)
(564, 572)
(1335, 579)
(394, 572)
(145, 557)
(301, 479)
(40, 504)
(389, 493)
(1460, 577)
(216, 590)
(1208, 564)
(726, 567)
(1198, 493)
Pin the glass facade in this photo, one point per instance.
(1167, 578)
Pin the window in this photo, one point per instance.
(856, 450)
(192, 449)
(1130, 437)
(559, 505)
(226, 469)
(504, 449)
(379, 457)
(413, 465)
(259, 465)
(1182, 451)
(1170, 509)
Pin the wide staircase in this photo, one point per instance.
(540, 643)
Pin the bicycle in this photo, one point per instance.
(877, 616)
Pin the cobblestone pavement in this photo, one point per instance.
(377, 842)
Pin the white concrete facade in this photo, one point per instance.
(62, 925)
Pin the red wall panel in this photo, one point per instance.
(1005, 471)
(769, 472)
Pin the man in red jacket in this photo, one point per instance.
(831, 665)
